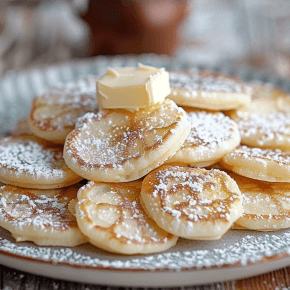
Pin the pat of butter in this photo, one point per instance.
(132, 88)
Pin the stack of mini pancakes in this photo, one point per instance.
(132, 182)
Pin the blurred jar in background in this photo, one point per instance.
(135, 26)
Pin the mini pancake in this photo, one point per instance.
(40, 216)
(212, 136)
(28, 164)
(266, 204)
(120, 146)
(54, 114)
(207, 90)
(112, 218)
(192, 203)
(262, 164)
(266, 122)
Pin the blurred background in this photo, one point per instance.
(253, 34)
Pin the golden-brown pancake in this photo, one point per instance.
(212, 136)
(120, 146)
(112, 218)
(26, 163)
(40, 216)
(262, 164)
(192, 203)
(54, 114)
(266, 204)
(207, 90)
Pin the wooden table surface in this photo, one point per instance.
(11, 279)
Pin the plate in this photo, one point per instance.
(238, 254)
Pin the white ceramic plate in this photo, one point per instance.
(238, 254)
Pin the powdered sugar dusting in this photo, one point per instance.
(209, 131)
(167, 178)
(194, 194)
(63, 104)
(269, 127)
(25, 156)
(268, 154)
(88, 118)
(237, 247)
(81, 92)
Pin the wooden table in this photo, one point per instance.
(11, 279)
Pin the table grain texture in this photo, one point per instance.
(11, 279)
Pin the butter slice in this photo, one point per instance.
(132, 88)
